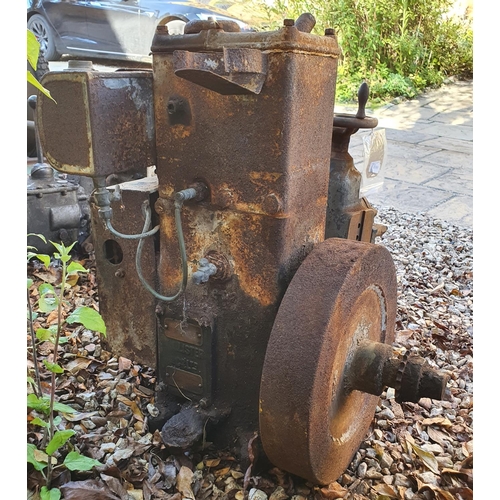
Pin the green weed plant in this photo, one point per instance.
(50, 413)
(399, 47)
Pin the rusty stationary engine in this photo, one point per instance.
(245, 269)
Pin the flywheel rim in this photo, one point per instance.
(341, 282)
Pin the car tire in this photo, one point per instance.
(175, 27)
(45, 36)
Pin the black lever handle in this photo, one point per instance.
(363, 93)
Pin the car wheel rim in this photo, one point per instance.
(41, 35)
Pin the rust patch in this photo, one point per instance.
(344, 292)
(264, 178)
(180, 131)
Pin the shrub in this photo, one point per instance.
(398, 46)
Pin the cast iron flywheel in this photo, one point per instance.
(311, 419)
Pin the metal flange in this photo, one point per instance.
(311, 420)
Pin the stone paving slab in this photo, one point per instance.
(457, 145)
(413, 137)
(454, 118)
(454, 132)
(412, 171)
(412, 113)
(398, 150)
(408, 197)
(429, 165)
(453, 159)
(451, 182)
(466, 174)
(458, 210)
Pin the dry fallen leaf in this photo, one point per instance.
(438, 436)
(212, 462)
(402, 336)
(77, 416)
(333, 491)
(75, 365)
(90, 489)
(428, 459)
(443, 421)
(133, 406)
(439, 493)
(222, 472)
(184, 480)
(386, 490)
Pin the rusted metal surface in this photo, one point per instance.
(288, 39)
(342, 294)
(102, 123)
(127, 308)
(53, 209)
(196, 26)
(375, 366)
(349, 215)
(241, 131)
(234, 71)
(264, 158)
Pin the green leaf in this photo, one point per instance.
(31, 458)
(40, 422)
(44, 258)
(38, 404)
(47, 304)
(63, 408)
(45, 288)
(52, 367)
(33, 49)
(52, 494)
(75, 267)
(38, 235)
(89, 318)
(63, 251)
(43, 334)
(43, 404)
(75, 461)
(30, 283)
(59, 440)
(31, 79)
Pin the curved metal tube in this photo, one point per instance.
(140, 236)
(182, 247)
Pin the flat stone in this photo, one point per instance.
(411, 137)
(451, 159)
(108, 447)
(454, 118)
(457, 210)
(256, 494)
(448, 143)
(411, 171)
(408, 197)
(451, 182)
(397, 150)
(453, 131)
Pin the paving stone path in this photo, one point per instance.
(429, 164)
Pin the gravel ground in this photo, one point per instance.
(412, 451)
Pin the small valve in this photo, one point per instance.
(205, 270)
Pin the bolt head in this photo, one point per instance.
(288, 22)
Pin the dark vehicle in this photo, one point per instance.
(110, 29)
